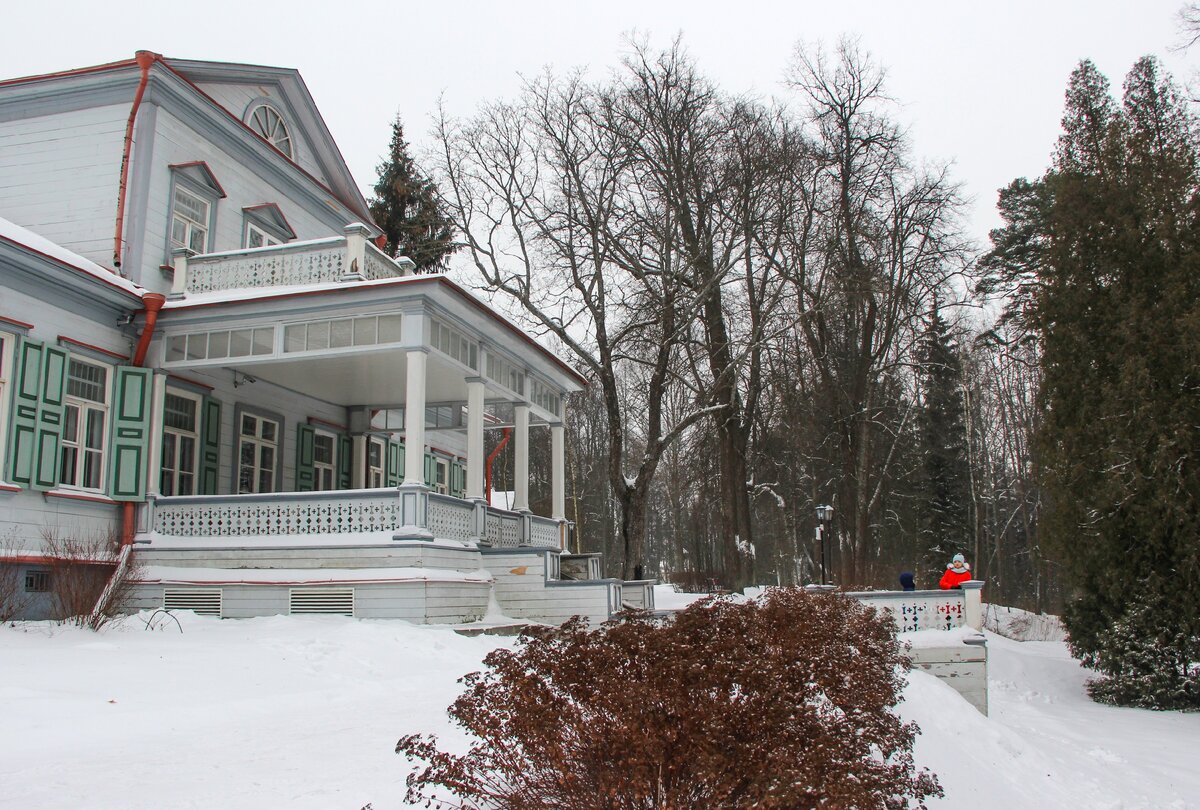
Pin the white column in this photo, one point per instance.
(414, 419)
(973, 603)
(475, 456)
(358, 461)
(521, 457)
(558, 501)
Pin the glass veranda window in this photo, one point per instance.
(324, 454)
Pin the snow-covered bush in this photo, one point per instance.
(1147, 659)
(779, 702)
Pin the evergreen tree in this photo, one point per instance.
(945, 509)
(407, 207)
(1117, 313)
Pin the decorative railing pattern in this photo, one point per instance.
(920, 610)
(502, 529)
(312, 262)
(451, 518)
(340, 258)
(543, 532)
(378, 265)
(308, 513)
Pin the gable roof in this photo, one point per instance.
(287, 81)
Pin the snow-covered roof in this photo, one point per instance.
(170, 575)
(35, 243)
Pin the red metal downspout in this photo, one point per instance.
(153, 303)
(487, 470)
(144, 60)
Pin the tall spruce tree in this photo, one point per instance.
(944, 513)
(1116, 310)
(407, 207)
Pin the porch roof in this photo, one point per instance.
(363, 375)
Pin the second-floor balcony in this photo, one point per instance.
(336, 259)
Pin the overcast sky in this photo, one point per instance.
(979, 86)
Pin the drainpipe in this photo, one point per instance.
(487, 470)
(144, 60)
(153, 303)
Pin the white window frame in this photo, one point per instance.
(441, 475)
(376, 475)
(325, 473)
(84, 411)
(191, 226)
(272, 127)
(259, 443)
(8, 342)
(177, 436)
(267, 238)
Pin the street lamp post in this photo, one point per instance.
(824, 516)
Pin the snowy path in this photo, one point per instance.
(305, 712)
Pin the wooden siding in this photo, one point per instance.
(419, 602)
(523, 592)
(175, 142)
(963, 667)
(401, 555)
(59, 176)
(237, 97)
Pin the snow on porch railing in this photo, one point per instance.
(335, 259)
(286, 513)
(930, 610)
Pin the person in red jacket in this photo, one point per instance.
(957, 571)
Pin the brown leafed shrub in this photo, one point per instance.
(80, 570)
(13, 598)
(780, 703)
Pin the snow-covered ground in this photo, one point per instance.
(305, 713)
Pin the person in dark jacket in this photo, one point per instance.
(957, 572)
(906, 581)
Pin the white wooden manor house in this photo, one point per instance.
(203, 354)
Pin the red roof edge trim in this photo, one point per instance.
(123, 63)
(69, 266)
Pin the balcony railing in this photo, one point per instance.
(351, 257)
(341, 513)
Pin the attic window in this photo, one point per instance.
(266, 121)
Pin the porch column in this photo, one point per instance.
(558, 501)
(414, 495)
(475, 456)
(521, 457)
(414, 419)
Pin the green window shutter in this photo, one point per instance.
(210, 447)
(305, 473)
(50, 418)
(430, 470)
(394, 469)
(27, 395)
(129, 436)
(457, 479)
(345, 452)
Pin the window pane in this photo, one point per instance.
(70, 432)
(254, 238)
(293, 338)
(178, 232)
(179, 412)
(323, 448)
(175, 347)
(198, 239)
(264, 341)
(91, 470)
(247, 453)
(249, 425)
(341, 334)
(66, 473)
(86, 381)
(239, 343)
(374, 454)
(197, 347)
(187, 453)
(95, 430)
(186, 483)
(246, 479)
(218, 345)
(265, 481)
(318, 335)
(364, 331)
(268, 430)
(168, 452)
(191, 207)
(389, 328)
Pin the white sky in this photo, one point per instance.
(980, 87)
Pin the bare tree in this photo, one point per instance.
(868, 242)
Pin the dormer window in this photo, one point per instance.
(267, 122)
(190, 216)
